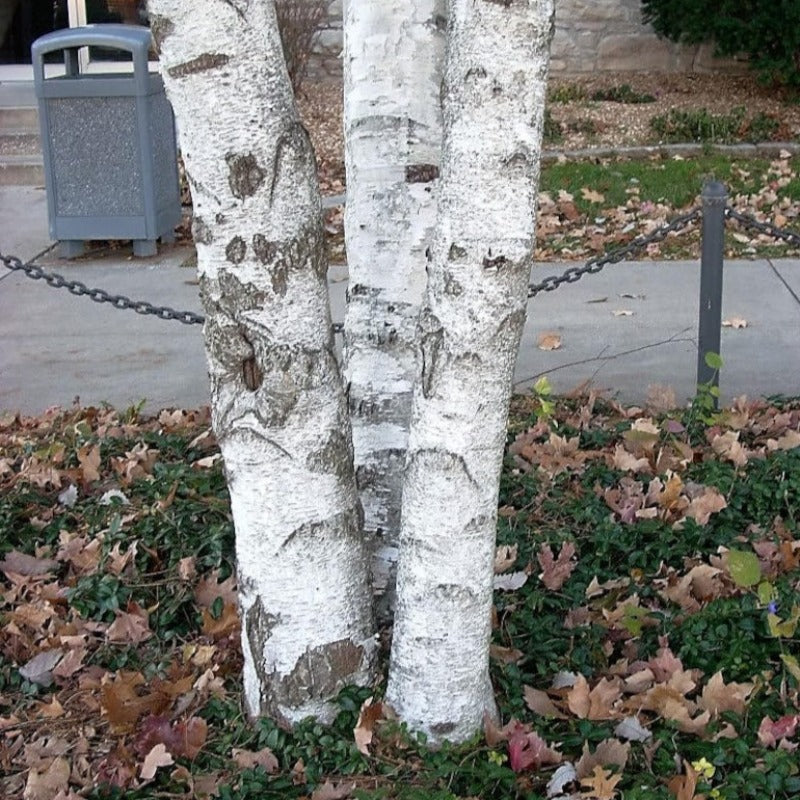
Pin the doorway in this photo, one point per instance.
(24, 21)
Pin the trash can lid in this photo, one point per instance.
(134, 38)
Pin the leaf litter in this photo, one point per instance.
(102, 686)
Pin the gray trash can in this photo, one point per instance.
(110, 158)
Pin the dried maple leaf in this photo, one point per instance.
(504, 557)
(47, 780)
(506, 655)
(627, 462)
(770, 732)
(333, 791)
(540, 703)
(555, 571)
(89, 459)
(527, 750)
(247, 759)
(718, 697)
(592, 196)
(683, 786)
(601, 785)
(130, 627)
(226, 624)
(209, 588)
(609, 752)
(734, 322)
(18, 563)
(704, 505)
(368, 716)
(549, 340)
(156, 758)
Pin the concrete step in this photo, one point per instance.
(20, 143)
(16, 118)
(21, 170)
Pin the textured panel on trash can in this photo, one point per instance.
(96, 156)
(162, 136)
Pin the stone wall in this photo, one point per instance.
(591, 36)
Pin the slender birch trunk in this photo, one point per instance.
(278, 406)
(392, 74)
(470, 328)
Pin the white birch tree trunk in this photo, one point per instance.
(470, 328)
(278, 405)
(392, 75)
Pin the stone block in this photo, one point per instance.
(635, 53)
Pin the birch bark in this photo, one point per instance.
(392, 76)
(278, 405)
(470, 328)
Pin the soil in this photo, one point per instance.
(585, 122)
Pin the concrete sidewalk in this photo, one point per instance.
(56, 347)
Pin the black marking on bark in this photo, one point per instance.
(421, 173)
(451, 286)
(443, 728)
(431, 343)
(294, 148)
(318, 674)
(439, 22)
(251, 374)
(161, 28)
(264, 249)
(475, 73)
(219, 218)
(236, 8)
(504, 3)
(236, 250)
(201, 231)
(520, 158)
(334, 458)
(494, 263)
(203, 63)
(244, 175)
(456, 252)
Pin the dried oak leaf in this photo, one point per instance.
(683, 786)
(601, 785)
(89, 459)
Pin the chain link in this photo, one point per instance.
(763, 227)
(119, 301)
(596, 264)
(80, 289)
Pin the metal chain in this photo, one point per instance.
(763, 227)
(596, 264)
(79, 289)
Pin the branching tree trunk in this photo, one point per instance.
(392, 70)
(278, 406)
(470, 328)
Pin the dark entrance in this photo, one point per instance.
(23, 21)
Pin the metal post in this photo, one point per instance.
(714, 198)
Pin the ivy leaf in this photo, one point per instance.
(744, 568)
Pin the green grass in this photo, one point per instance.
(675, 182)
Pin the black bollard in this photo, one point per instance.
(714, 198)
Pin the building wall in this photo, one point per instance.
(591, 36)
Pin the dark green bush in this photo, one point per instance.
(768, 31)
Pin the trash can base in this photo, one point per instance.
(70, 248)
(144, 248)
